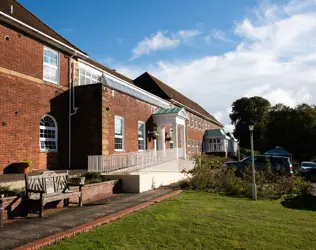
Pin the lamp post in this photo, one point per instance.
(254, 186)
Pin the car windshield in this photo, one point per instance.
(309, 164)
(245, 159)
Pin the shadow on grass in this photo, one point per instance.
(301, 203)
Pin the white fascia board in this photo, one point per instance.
(40, 35)
(121, 81)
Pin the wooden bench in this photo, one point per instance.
(50, 186)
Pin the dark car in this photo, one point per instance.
(261, 162)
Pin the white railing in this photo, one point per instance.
(129, 161)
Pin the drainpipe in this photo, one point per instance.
(72, 108)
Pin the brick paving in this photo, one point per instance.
(21, 232)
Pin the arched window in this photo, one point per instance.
(48, 134)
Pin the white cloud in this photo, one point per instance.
(188, 34)
(275, 58)
(162, 40)
(217, 35)
(158, 41)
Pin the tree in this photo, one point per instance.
(245, 110)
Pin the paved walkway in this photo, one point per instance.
(26, 230)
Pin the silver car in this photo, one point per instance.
(307, 167)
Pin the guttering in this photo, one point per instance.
(193, 111)
(126, 83)
(40, 35)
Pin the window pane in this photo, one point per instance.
(141, 128)
(119, 143)
(141, 145)
(118, 126)
(51, 57)
(82, 80)
(48, 136)
(50, 73)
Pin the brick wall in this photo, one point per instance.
(132, 110)
(25, 55)
(25, 98)
(23, 103)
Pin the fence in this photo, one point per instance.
(129, 161)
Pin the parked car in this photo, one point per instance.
(308, 170)
(261, 162)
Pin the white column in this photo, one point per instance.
(175, 137)
(183, 142)
(161, 138)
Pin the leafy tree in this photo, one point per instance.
(245, 110)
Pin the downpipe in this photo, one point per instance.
(72, 108)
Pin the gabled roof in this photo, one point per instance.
(216, 133)
(108, 70)
(157, 87)
(171, 112)
(23, 15)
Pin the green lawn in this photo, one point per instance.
(204, 221)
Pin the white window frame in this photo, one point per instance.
(192, 123)
(119, 136)
(140, 138)
(94, 78)
(197, 146)
(49, 139)
(189, 146)
(189, 120)
(216, 145)
(196, 122)
(51, 66)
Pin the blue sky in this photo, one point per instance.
(111, 29)
(213, 51)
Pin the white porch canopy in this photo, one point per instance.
(177, 118)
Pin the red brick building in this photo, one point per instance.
(57, 106)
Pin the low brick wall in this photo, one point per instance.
(16, 206)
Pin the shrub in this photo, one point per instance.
(7, 192)
(28, 162)
(94, 177)
(210, 175)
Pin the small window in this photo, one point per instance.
(119, 133)
(141, 136)
(51, 65)
(189, 146)
(48, 134)
(197, 146)
(192, 121)
(196, 122)
(189, 120)
(171, 139)
(202, 124)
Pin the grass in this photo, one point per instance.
(196, 220)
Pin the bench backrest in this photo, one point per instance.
(48, 182)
